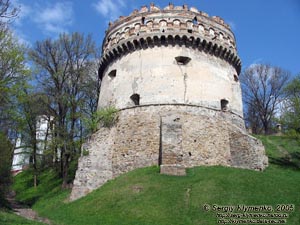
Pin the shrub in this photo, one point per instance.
(85, 152)
(104, 117)
(107, 116)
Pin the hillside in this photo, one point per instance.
(10, 218)
(144, 196)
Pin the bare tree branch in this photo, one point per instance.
(262, 87)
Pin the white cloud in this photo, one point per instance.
(24, 12)
(52, 19)
(55, 18)
(110, 9)
(18, 22)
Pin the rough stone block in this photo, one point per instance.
(175, 170)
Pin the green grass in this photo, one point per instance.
(48, 183)
(146, 197)
(9, 218)
(282, 151)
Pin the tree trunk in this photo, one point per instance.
(65, 171)
(34, 161)
(266, 127)
(35, 180)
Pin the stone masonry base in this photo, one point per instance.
(175, 137)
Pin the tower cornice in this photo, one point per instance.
(157, 39)
(173, 25)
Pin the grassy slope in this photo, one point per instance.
(144, 196)
(48, 183)
(8, 218)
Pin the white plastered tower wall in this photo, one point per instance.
(156, 76)
(173, 75)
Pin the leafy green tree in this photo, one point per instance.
(12, 74)
(28, 113)
(66, 76)
(290, 118)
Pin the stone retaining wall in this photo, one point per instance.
(173, 136)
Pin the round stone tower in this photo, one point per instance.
(173, 75)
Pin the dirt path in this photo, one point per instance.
(24, 211)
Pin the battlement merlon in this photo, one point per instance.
(144, 9)
(198, 18)
(176, 24)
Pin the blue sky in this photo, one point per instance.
(266, 31)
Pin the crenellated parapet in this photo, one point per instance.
(173, 25)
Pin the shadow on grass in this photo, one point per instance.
(291, 161)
